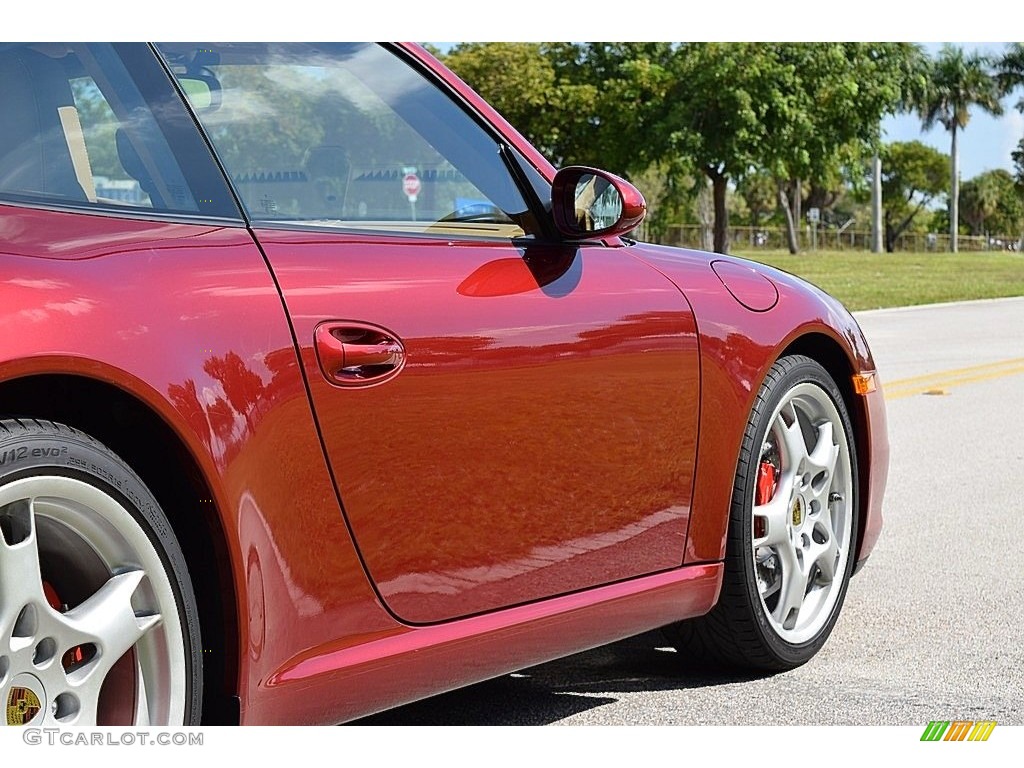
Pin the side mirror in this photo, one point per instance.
(587, 202)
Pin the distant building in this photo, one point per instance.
(120, 190)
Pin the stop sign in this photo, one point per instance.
(411, 186)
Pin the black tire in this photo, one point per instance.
(746, 628)
(97, 534)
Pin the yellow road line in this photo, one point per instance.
(957, 371)
(940, 380)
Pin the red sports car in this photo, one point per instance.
(321, 391)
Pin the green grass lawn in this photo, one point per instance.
(870, 280)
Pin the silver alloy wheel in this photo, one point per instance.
(122, 624)
(802, 533)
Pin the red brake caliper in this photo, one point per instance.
(74, 655)
(767, 480)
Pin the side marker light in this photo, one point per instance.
(864, 383)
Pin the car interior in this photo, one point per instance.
(75, 125)
(38, 127)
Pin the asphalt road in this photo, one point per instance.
(933, 627)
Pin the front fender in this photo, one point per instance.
(737, 348)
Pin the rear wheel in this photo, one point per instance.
(792, 527)
(98, 620)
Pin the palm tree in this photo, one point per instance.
(980, 198)
(958, 82)
(1010, 70)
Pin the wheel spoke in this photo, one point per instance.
(825, 449)
(795, 448)
(108, 620)
(774, 514)
(821, 462)
(20, 582)
(794, 587)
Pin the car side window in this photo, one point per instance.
(77, 129)
(106, 179)
(348, 136)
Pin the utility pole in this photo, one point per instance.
(954, 198)
(876, 204)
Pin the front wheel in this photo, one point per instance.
(98, 621)
(792, 527)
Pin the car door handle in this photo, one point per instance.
(357, 354)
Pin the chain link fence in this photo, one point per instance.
(774, 238)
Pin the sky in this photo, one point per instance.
(987, 141)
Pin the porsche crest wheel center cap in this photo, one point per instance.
(24, 700)
(798, 512)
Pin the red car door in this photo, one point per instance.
(506, 417)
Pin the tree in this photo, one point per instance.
(832, 99)
(98, 127)
(518, 80)
(758, 191)
(979, 198)
(958, 82)
(794, 110)
(622, 131)
(715, 115)
(991, 204)
(242, 386)
(185, 397)
(913, 174)
(1010, 73)
(1010, 70)
(1018, 164)
(668, 191)
(578, 103)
